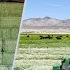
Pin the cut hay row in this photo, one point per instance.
(43, 53)
(36, 64)
(40, 57)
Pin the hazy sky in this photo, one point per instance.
(59, 9)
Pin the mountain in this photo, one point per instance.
(46, 24)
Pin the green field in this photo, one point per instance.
(35, 39)
(36, 53)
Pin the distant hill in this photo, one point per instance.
(46, 24)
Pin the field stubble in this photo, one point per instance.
(40, 58)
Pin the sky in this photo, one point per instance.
(59, 9)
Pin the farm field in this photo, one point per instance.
(10, 14)
(44, 40)
(41, 52)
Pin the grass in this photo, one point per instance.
(34, 41)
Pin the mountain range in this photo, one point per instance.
(46, 24)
